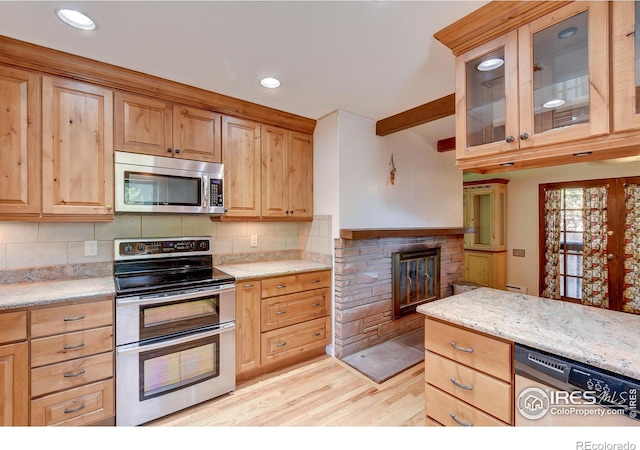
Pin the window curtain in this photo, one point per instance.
(631, 291)
(595, 289)
(552, 205)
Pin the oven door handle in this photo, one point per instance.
(188, 295)
(138, 348)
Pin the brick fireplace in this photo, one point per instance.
(363, 283)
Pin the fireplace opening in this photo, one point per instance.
(415, 279)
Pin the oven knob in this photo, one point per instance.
(141, 247)
(203, 245)
(192, 245)
(128, 248)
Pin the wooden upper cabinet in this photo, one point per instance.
(625, 50)
(19, 142)
(287, 173)
(552, 86)
(241, 158)
(156, 127)
(77, 148)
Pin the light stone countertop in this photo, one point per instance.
(265, 269)
(605, 339)
(20, 295)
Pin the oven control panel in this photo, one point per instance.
(132, 248)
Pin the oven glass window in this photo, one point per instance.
(169, 318)
(156, 189)
(176, 367)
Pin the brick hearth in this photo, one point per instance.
(363, 292)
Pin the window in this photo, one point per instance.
(590, 242)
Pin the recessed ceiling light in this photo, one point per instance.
(76, 19)
(553, 103)
(270, 82)
(490, 64)
(567, 32)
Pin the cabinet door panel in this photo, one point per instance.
(247, 326)
(625, 55)
(300, 175)
(143, 125)
(241, 158)
(77, 148)
(14, 376)
(275, 172)
(196, 134)
(19, 139)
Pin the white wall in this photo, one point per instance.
(522, 209)
(427, 190)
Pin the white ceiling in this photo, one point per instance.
(371, 58)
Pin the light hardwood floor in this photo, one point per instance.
(321, 392)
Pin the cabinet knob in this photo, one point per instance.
(109, 207)
(169, 150)
(177, 150)
(510, 139)
(524, 136)
(610, 256)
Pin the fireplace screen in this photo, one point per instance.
(415, 279)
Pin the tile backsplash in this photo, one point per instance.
(25, 245)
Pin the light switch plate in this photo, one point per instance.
(518, 252)
(254, 240)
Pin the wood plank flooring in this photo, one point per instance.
(321, 392)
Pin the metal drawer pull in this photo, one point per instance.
(467, 387)
(281, 286)
(73, 347)
(462, 349)
(315, 281)
(281, 312)
(248, 285)
(73, 319)
(69, 411)
(315, 334)
(464, 424)
(77, 374)
(281, 344)
(315, 305)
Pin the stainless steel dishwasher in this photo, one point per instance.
(554, 391)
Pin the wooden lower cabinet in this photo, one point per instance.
(468, 377)
(281, 320)
(14, 369)
(486, 268)
(72, 364)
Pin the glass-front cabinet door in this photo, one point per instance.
(487, 98)
(625, 64)
(546, 82)
(563, 69)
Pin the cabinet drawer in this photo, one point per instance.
(482, 391)
(443, 408)
(70, 346)
(65, 375)
(486, 354)
(80, 406)
(62, 319)
(295, 339)
(294, 308)
(13, 326)
(291, 284)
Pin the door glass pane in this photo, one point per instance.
(482, 214)
(561, 74)
(637, 57)
(485, 94)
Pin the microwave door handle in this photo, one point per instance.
(205, 205)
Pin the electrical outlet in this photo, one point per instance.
(254, 240)
(90, 248)
(518, 252)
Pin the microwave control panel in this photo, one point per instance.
(215, 194)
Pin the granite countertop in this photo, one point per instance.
(20, 295)
(602, 338)
(247, 271)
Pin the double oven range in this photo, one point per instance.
(175, 327)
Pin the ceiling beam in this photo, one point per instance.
(437, 109)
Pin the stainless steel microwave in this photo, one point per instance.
(156, 184)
